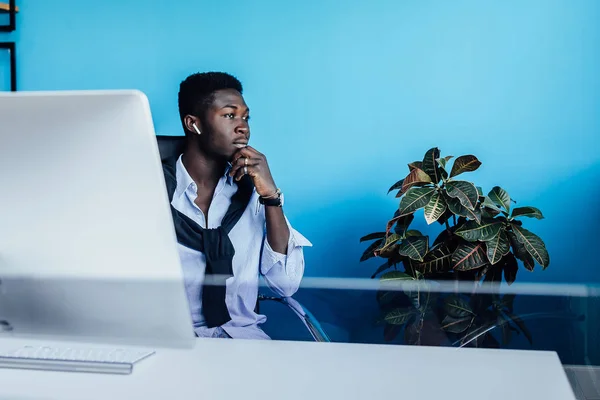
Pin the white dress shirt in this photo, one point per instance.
(253, 256)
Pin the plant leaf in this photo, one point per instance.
(402, 220)
(402, 224)
(430, 165)
(500, 197)
(371, 236)
(413, 232)
(521, 324)
(397, 185)
(436, 261)
(443, 161)
(520, 252)
(415, 164)
(533, 244)
(498, 247)
(395, 276)
(414, 247)
(370, 251)
(390, 246)
(488, 203)
(457, 208)
(464, 164)
(392, 221)
(381, 268)
(399, 316)
(469, 256)
(456, 325)
(435, 208)
(511, 268)
(464, 191)
(531, 212)
(446, 215)
(416, 177)
(415, 199)
(472, 231)
(457, 307)
(444, 236)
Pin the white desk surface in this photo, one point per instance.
(248, 369)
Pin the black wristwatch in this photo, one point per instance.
(276, 201)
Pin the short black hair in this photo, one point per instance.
(196, 92)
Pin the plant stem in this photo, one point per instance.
(448, 227)
(454, 219)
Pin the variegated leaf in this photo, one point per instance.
(435, 208)
(370, 251)
(399, 316)
(416, 177)
(464, 191)
(533, 244)
(415, 199)
(414, 247)
(415, 164)
(430, 165)
(497, 247)
(389, 247)
(472, 231)
(395, 276)
(460, 210)
(457, 307)
(531, 212)
(500, 197)
(443, 161)
(520, 252)
(469, 256)
(464, 164)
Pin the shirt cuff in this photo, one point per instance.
(271, 257)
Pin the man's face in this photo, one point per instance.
(225, 124)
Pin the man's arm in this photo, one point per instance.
(282, 260)
(248, 161)
(278, 233)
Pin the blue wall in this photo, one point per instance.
(344, 94)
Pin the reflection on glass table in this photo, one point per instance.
(398, 311)
(561, 318)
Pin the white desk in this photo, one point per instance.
(241, 369)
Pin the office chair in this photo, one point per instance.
(169, 146)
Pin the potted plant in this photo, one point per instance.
(483, 240)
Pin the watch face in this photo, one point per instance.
(281, 197)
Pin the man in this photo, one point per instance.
(227, 212)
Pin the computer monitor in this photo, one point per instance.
(87, 245)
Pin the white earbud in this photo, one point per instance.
(196, 128)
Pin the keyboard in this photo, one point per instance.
(74, 359)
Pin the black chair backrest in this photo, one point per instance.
(169, 146)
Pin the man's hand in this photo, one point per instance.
(251, 162)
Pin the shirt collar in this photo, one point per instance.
(184, 180)
(226, 175)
